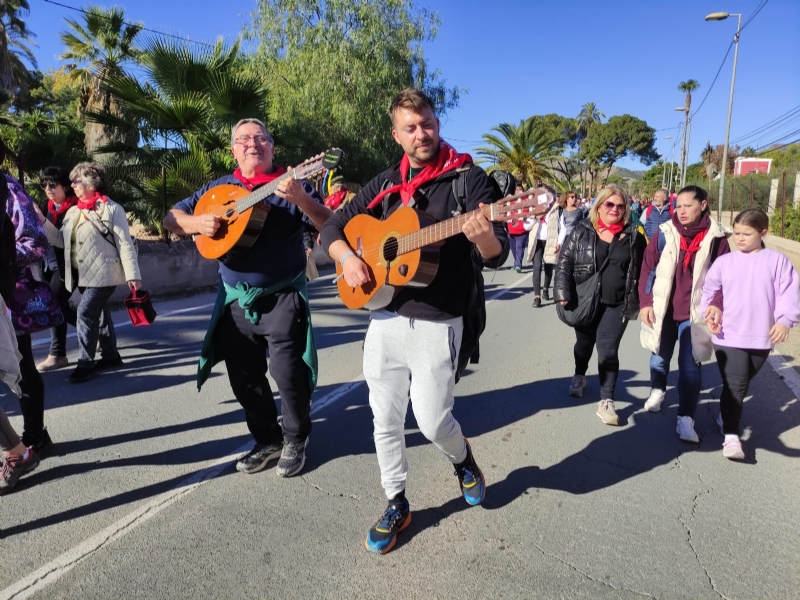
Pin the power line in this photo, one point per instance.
(769, 124)
(141, 28)
(733, 41)
(780, 139)
(781, 147)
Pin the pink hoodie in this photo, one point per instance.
(759, 289)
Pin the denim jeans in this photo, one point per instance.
(94, 324)
(58, 334)
(688, 368)
(519, 242)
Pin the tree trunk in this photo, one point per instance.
(97, 135)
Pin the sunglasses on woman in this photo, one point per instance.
(609, 206)
(49, 186)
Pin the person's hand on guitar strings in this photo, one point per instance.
(480, 232)
(292, 190)
(354, 271)
(207, 224)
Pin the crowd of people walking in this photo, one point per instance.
(609, 263)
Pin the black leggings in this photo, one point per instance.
(606, 331)
(538, 263)
(737, 368)
(31, 401)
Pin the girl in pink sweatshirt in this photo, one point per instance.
(758, 304)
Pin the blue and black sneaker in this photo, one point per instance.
(470, 478)
(383, 536)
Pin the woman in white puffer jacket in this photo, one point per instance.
(99, 255)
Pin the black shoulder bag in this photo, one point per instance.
(585, 299)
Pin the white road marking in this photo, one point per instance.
(61, 565)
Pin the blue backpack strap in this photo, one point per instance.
(661, 242)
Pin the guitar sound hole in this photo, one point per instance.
(390, 250)
(230, 212)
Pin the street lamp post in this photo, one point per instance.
(664, 170)
(721, 16)
(684, 148)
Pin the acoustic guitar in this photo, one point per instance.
(241, 224)
(399, 251)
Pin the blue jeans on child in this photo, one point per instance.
(679, 332)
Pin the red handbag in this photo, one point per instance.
(140, 309)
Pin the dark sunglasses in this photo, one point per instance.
(608, 205)
(49, 186)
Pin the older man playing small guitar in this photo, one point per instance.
(262, 302)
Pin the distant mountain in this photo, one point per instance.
(627, 173)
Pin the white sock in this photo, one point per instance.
(27, 454)
(731, 436)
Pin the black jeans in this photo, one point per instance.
(606, 330)
(737, 368)
(538, 263)
(244, 346)
(31, 401)
(58, 334)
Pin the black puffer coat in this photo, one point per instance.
(577, 262)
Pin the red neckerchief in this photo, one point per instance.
(91, 203)
(696, 234)
(447, 160)
(615, 228)
(260, 179)
(334, 200)
(54, 213)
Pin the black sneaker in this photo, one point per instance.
(42, 444)
(537, 302)
(383, 536)
(470, 479)
(82, 373)
(15, 467)
(293, 458)
(255, 460)
(108, 363)
(546, 295)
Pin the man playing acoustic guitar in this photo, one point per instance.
(262, 303)
(412, 346)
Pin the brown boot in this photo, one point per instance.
(51, 363)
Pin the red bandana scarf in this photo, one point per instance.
(53, 213)
(91, 202)
(691, 248)
(447, 160)
(252, 182)
(334, 200)
(614, 228)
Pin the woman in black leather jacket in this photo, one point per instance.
(607, 233)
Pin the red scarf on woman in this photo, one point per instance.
(614, 228)
(447, 160)
(53, 213)
(91, 202)
(260, 178)
(692, 247)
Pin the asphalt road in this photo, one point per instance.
(141, 499)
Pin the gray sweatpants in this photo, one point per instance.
(405, 356)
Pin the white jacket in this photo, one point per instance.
(650, 337)
(556, 232)
(101, 263)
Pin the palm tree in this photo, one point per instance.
(99, 47)
(588, 116)
(183, 104)
(15, 39)
(687, 87)
(527, 150)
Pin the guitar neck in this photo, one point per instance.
(261, 193)
(437, 232)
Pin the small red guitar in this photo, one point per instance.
(398, 250)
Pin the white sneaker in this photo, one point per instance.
(653, 402)
(732, 449)
(686, 430)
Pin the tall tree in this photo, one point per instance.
(15, 42)
(619, 137)
(687, 87)
(529, 150)
(333, 67)
(589, 116)
(101, 46)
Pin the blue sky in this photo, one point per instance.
(517, 58)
